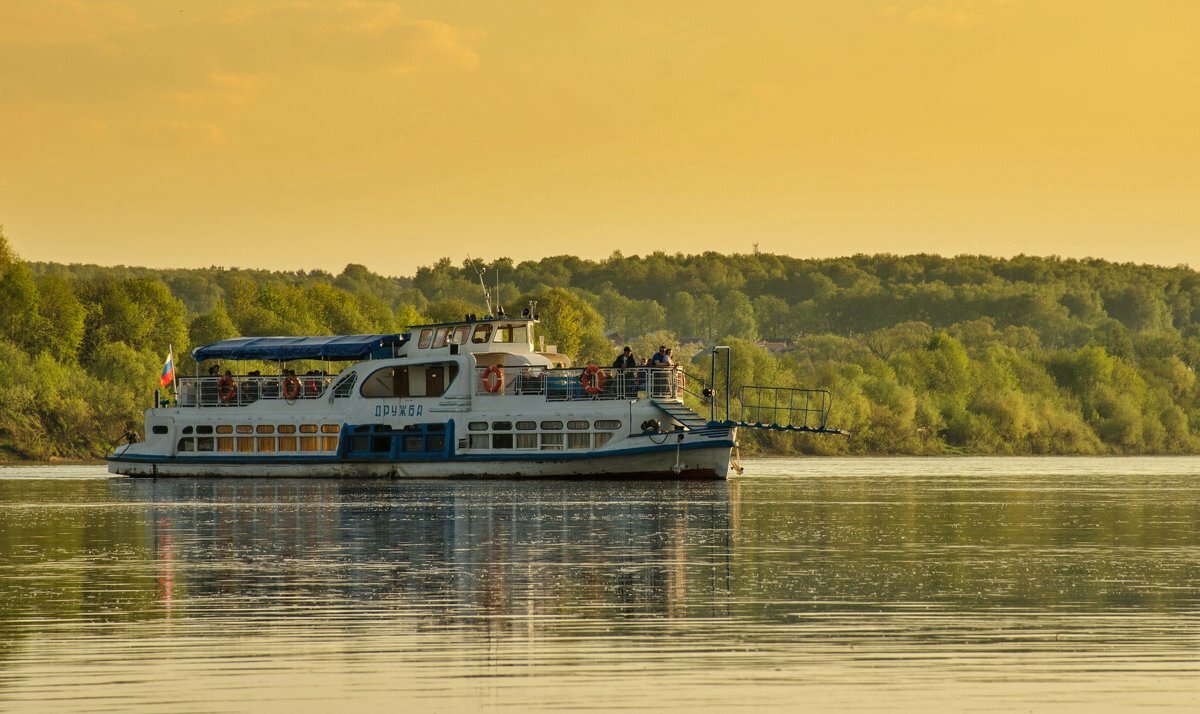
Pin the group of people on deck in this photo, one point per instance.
(253, 386)
(632, 383)
(662, 358)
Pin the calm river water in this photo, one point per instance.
(994, 584)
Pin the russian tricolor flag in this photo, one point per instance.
(168, 372)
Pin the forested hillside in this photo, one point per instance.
(923, 354)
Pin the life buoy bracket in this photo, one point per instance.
(227, 389)
(291, 388)
(493, 379)
(592, 379)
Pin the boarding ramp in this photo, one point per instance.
(785, 409)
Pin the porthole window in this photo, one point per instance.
(526, 425)
(549, 425)
(287, 428)
(245, 429)
(477, 426)
(224, 429)
(308, 428)
(265, 429)
(502, 426)
(577, 425)
(162, 429)
(608, 424)
(205, 429)
(330, 429)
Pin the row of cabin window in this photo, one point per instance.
(442, 336)
(574, 425)
(263, 429)
(547, 442)
(257, 444)
(328, 441)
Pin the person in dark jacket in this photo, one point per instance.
(628, 382)
(625, 359)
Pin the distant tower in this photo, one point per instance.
(756, 248)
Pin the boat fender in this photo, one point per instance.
(592, 379)
(493, 379)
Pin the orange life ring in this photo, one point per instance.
(227, 389)
(493, 379)
(291, 388)
(592, 379)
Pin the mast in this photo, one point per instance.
(487, 296)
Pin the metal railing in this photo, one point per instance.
(785, 408)
(564, 385)
(210, 392)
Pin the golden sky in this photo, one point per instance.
(309, 134)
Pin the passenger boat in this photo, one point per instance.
(463, 399)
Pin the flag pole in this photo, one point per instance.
(174, 379)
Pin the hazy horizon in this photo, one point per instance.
(458, 261)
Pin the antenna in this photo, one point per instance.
(499, 307)
(487, 296)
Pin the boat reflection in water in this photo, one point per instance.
(477, 552)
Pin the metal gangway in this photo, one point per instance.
(796, 409)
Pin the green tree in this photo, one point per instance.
(574, 325)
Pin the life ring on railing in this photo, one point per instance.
(592, 379)
(227, 389)
(493, 379)
(291, 388)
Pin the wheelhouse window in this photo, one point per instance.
(511, 334)
(481, 334)
(439, 337)
(426, 339)
(458, 336)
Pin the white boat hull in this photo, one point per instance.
(684, 460)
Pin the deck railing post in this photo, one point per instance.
(712, 379)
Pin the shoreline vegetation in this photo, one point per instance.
(923, 354)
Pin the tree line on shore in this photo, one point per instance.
(922, 354)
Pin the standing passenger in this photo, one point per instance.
(624, 361)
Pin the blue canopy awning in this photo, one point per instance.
(280, 349)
